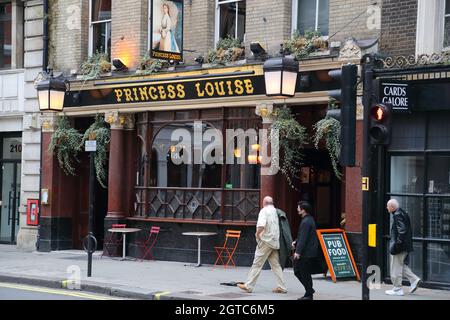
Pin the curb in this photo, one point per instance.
(91, 287)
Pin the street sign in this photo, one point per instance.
(90, 146)
(337, 252)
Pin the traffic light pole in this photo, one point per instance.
(367, 76)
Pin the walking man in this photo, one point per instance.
(306, 247)
(268, 243)
(400, 247)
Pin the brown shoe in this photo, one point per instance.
(244, 287)
(279, 290)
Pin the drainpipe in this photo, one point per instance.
(45, 37)
(44, 68)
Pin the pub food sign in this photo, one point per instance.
(397, 94)
(166, 34)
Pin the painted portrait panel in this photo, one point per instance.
(166, 34)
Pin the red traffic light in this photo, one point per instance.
(379, 112)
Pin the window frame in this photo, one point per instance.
(217, 19)
(91, 31)
(295, 4)
(446, 15)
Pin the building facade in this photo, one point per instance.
(144, 185)
(21, 61)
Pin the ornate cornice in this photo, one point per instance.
(401, 62)
(48, 121)
(265, 111)
(120, 121)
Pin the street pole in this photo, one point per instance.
(91, 212)
(367, 74)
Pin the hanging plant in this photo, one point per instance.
(65, 145)
(292, 139)
(99, 131)
(301, 46)
(330, 130)
(95, 65)
(149, 65)
(227, 50)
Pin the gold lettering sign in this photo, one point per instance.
(188, 90)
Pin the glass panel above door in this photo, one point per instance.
(12, 148)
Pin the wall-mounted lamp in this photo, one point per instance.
(51, 91)
(119, 65)
(280, 74)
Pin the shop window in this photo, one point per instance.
(438, 218)
(415, 259)
(311, 15)
(170, 173)
(100, 27)
(447, 25)
(438, 258)
(407, 174)
(438, 174)
(5, 34)
(414, 207)
(230, 19)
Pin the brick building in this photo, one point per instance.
(144, 188)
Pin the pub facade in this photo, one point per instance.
(146, 185)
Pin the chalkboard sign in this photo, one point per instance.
(337, 254)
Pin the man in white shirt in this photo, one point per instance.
(268, 243)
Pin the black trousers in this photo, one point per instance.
(302, 270)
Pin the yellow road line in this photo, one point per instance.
(55, 291)
(159, 294)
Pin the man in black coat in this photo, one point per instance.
(400, 246)
(306, 247)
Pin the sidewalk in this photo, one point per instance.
(172, 280)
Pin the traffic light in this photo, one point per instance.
(346, 96)
(380, 124)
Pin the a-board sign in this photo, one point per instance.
(338, 254)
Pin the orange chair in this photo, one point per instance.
(228, 249)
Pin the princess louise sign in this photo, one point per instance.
(168, 91)
(166, 34)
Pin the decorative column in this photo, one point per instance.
(130, 163)
(116, 173)
(55, 225)
(268, 181)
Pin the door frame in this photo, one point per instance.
(15, 208)
(14, 134)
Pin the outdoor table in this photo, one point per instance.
(199, 236)
(124, 231)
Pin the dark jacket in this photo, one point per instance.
(285, 238)
(307, 242)
(401, 233)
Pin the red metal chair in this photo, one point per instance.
(148, 244)
(113, 240)
(228, 249)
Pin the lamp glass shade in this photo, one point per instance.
(51, 100)
(289, 83)
(273, 82)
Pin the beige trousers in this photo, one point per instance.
(264, 252)
(400, 269)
